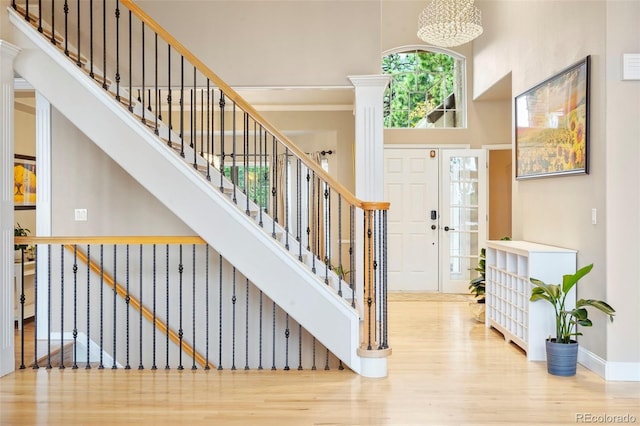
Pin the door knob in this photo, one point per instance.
(433, 227)
(446, 228)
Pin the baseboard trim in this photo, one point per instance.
(610, 371)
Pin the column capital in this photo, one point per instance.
(376, 80)
(8, 50)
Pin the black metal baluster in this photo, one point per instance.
(220, 315)
(40, 16)
(260, 335)
(202, 123)
(233, 322)
(144, 120)
(193, 308)
(153, 321)
(166, 365)
(308, 210)
(49, 318)
(368, 284)
(209, 132)
(130, 69)
(192, 118)
(206, 314)
(273, 348)
(326, 212)
(127, 299)
(140, 317)
(313, 221)
(313, 352)
(66, 27)
(78, 60)
(88, 366)
(262, 203)
(35, 309)
(234, 154)
(101, 365)
(246, 331)
(22, 300)
(104, 45)
(299, 207)
(53, 22)
(326, 362)
(169, 111)
(62, 366)
(222, 153)
(117, 50)
(285, 213)
(91, 39)
(75, 307)
(352, 264)
(180, 330)
(156, 91)
(299, 347)
(256, 183)
(287, 333)
(245, 189)
(114, 365)
(341, 271)
(181, 106)
(274, 184)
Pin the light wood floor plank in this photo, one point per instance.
(446, 369)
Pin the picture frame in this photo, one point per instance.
(552, 125)
(24, 182)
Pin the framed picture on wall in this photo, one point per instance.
(552, 125)
(24, 182)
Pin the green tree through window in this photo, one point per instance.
(423, 90)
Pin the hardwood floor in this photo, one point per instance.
(446, 369)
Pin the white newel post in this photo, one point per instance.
(369, 173)
(7, 358)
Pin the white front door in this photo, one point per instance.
(463, 216)
(411, 186)
(437, 218)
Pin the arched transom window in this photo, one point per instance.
(426, 89)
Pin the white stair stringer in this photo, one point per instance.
(182, 189)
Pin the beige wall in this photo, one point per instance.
(84, 177)
(533, 40)
(277, 42)
(622, 135)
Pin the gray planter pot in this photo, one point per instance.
(562, 358)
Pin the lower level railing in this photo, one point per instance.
(149, 302)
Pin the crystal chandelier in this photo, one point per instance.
(448, 23)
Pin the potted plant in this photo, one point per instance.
(477, 288)
(19, 231)
(562, 350)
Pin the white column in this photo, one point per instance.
(7, 358)
(369, 136)
(369, 171)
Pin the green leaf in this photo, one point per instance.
(569, 280)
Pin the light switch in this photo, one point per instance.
(81, 215)
(594, 216)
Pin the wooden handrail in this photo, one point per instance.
(234, 96)
(110, 240)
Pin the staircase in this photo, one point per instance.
(295, 233)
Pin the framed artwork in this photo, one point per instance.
(24, 182)
(552, 125)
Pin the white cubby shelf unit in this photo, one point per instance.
(509, 266)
